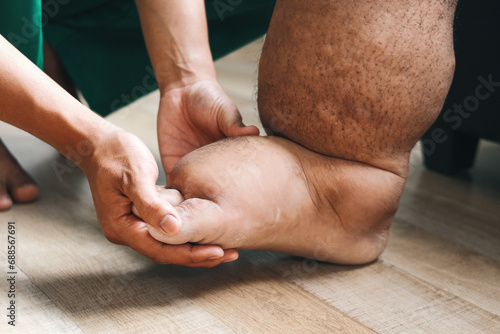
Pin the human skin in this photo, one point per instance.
(194, 111)
(268, 193)
(15, 184)
(119, 167)
(350, 87)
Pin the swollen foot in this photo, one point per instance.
(271, 194)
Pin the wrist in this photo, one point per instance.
(86, 135)
(96, 145)
(179, 76)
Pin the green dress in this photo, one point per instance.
(101, 44)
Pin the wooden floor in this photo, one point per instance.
(439, 274)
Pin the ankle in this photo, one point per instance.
(362, 201)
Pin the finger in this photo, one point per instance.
(203, 220)
(232, 125)
(154, 210)
(138, 238)
(250, 130)
(5, 200)
(230, 255)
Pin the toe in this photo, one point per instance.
(25, 192)
(173, 196)
(5, 200)
(20, 185)
(202, 222)
(16, 185)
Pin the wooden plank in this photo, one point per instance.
(385, 298)
(478, 188)
(479, 231)
(446, 265)
(250, 298)
(35, 312)
(464, 209)
(101, 286)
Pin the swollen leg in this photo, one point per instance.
(357, 80)
(354, 94)
(358, 83)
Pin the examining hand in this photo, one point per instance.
(122, 171)
(193, 116)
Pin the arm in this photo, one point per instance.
(194, 111)
(176, 36)
(119, 167)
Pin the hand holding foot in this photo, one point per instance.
(123, 171)
(195, 115)
(271, 194)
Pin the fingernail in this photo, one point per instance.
(215, 257)
(169, 225)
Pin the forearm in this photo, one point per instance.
(31, 101)
(176, 36)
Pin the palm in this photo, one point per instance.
(194, 116)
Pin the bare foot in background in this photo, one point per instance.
(15, 184)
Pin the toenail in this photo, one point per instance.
(169, 224)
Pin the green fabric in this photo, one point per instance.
(21, 25)
(103, 48)
(101, 44)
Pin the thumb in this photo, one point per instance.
(202, 222)
(231, 124)
(152, 209)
